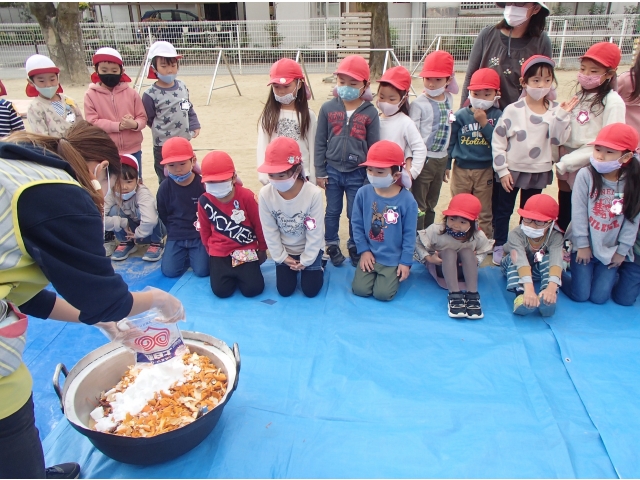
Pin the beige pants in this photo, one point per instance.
(479, 183)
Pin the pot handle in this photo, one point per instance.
(236, 354)
(60, 368)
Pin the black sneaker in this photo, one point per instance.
(335, 255)
(474, 310)
(353, 254)
(64, 470)
(457, 305)
(109, 236)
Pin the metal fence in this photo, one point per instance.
(410, 38)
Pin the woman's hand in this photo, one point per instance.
(367, 262)
(616, 260)
(583, 256)
(507, 182)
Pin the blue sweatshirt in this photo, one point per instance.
(470, 143)
(178, 208)
(386, 227)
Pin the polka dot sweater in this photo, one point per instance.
(522, 139)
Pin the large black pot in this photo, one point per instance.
(103, 368)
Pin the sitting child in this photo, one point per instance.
(534, 252)
(390, 213)
(132, 215)
(230, 229)
(455, 245)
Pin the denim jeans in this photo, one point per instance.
(628, 287)
(182, 254)
(156, 236)
(593, 281)
(340, 183)
(20, 448)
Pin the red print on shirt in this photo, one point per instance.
(601, 212)
(336, 121)
(359, 128)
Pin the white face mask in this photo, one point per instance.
(284, 185)
(388, 109)
(481, 104)
(532, 232)
(434, 93)
(538, 93)
(380, 182)
(219, 190)
(515, 16)
(288, 98)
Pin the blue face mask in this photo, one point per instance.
(166, 78)
(47, 92)
(348, 93)
(180, 178)
(127, 196)
(453, 233)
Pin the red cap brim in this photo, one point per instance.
(458, 213)
(278, 81)
(218, 177)
(264, 168)
(534, 215)
(609, 144)
(175, 159)
(482, 86)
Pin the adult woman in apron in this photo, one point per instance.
(51, 231)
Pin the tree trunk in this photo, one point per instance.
(63, 37)
(380, 33)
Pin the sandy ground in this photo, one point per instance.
(229, 123)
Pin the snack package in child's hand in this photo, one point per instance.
(152, 340)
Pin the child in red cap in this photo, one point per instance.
(286, 113)
(291, 213)
(432, 113)
(133, 216)
(111, 104)
(604, 216)
(230, 229)
(395, 123)
(178, 209)
(347, 127)
(384, 224)
(598, 105)
(470, 144)
(534, 253)
(10, 121)
(453, 250)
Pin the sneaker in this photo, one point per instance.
(519, 307)
(474, 310)
(154, 252)
(498, 253)
(123, 251)
(64, 470)
(546, 310)
(109, 243)
(353, 254)
(335, 255)
(457, 305)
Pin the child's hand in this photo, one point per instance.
(550, 294)
(196, 132)
(507, 182)
(367, 262)
(570, 105)
(129, 233)
(583, 256)
(480, 116)
(128, 123)
(531, 300)
(446, 176)
(262, 256)
(403, 272)
(616, 260)
(291, 263)
(434, 259)
(322, 182)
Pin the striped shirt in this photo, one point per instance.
(10, 121)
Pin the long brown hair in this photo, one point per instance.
(537, 22)
(271, 112)
(83, 143)
(634, 72)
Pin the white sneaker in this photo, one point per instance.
(498, 253)
(110, 247)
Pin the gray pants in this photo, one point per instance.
(382, 283)
(426, 190)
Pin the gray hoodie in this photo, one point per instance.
(140, 208)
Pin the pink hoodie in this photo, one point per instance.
(105, 109)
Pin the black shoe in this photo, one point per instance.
(64, 470)
(109, 237)
(353, 254)
(335, 254)
(457, 305)
(474, 310)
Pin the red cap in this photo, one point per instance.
(354, 66)
(281, 154)
(217, 166)
(464, 205)
(534, 60)
(618, 136)
(605, 53)
(284, 71)
(176, 149)
(438, 64)
(484, 78)
(540, 207)
(399, 77)
(130, 160)
(384, 154)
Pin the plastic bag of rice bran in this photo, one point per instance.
(149, 338)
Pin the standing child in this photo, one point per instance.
(629, 91)
(453, 247)
(10, 121)
(51, 112)
(521, 144)
(534, 252)
(604, 216)
(169, 112)
(111, 104)
(432, 113)
(230, 229)
(178, 210)
(598, 105)
(287, 114)
(384, 225)
(133, 216)
(347, 127)
(470, 144)
(395, 124)
(291, 214)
